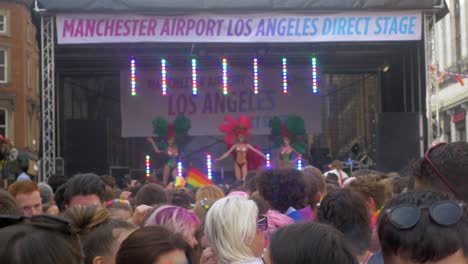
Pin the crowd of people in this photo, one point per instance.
(275, 216)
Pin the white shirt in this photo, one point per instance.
(255, 261)
(344, 175)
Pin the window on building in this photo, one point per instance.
(3, 122)
(28, 72)
(3, 66)
(3, 23)
(28, 32)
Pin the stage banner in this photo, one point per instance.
(207, 110)
(240, 28)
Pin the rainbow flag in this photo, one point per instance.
(196, 179)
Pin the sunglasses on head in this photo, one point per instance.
(41, 221)
(407, 216)
(262, 224)
(441, 176)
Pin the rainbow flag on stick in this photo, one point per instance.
(196, 179)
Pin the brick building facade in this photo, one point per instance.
(19, 75)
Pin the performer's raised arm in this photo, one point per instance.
(153, 144)
(256, 151)
(226, 154)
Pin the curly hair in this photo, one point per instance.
(282, 188)
(370, 187)
(451, 160)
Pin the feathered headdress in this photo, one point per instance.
(232, 128)
(293, 128)
(177, 130)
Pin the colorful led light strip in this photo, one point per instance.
(255, 75)
(179, 169)
(225, 77)
(194, 77)
(268, 161)
(299, 164)
(314, 76)
(148, 165)
(285, 75)
(164, 76)
(133, 76)
(209, 167)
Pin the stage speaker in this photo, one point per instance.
(397, 140)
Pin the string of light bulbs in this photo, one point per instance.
(148, 165)
(133, 76)
(225, 77)
(314, 76)
(209, 166)
(285, 76)
(194, 77)
(179, 169)
(255, 75)
(163, 76)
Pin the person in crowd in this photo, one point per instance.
(443, 169)
(40, 239)
(176, 219)
(276, 220)
(315, 190)
(101, 236)
(56, 181)
(250, 182)
(47, 196)
(27, 197)
(346, 210)
(235, 231)
(402, 185)
(373, 190)
(306, 243)
(262, 205)
(422, 228)
(332, 182)
(84, 189)
(336, 168)
(8, 205)
(24, 171)
(120, 209)
(155, 245)
(59, 197)
(204, 198)
(150, 194)
(181, 197)
(284, 190)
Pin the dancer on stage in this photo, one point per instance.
(236, 132)
(175, 135)
(292, 129)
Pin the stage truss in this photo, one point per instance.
(434, 129)
(48, 125)
(48, 118)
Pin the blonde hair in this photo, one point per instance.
(228, 232)
(210, 192)
(85, 218)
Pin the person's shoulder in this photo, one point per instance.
(331, 172)
(377, 258)
(256, 261)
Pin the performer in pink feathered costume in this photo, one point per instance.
(236, 132)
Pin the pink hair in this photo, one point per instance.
(276, 220)
(176, 219)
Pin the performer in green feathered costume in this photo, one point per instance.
(289, 138)
(175, 134)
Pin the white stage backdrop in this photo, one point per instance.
(241, 28)
(208, 109)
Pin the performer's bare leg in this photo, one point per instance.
(244, 172)
(237, 172)
(166, 173)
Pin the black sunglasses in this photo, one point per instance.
(442, 177)
(407, 216)
(41, 221)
